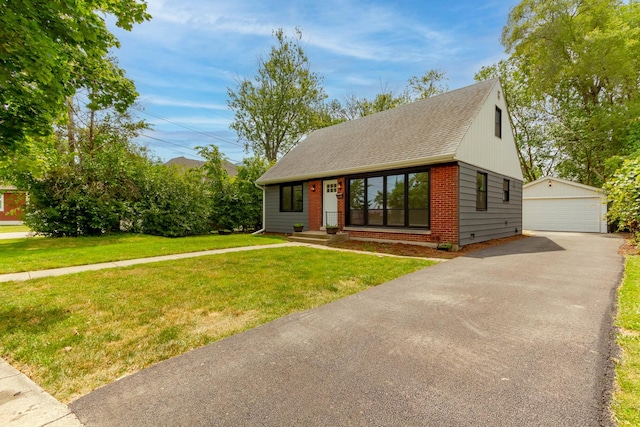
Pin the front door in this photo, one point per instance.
(330, 202)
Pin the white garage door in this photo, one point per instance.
(580, 214)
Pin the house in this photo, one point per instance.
(12, 203)
(554, 204)
(442, 169)
(185, 163)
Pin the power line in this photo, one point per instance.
(189, 128)
(181, 146)
(169, 148)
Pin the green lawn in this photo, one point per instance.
(74, 333)
(38, 254)
(626, 400)
(13, 228)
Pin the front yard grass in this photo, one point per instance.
(74, 333)
(14, 228)
(31, 254)
(626, 400)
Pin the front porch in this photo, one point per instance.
(318, 237)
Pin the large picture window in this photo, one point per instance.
(394, 200)
(291, 198)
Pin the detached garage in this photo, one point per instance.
(554, 204)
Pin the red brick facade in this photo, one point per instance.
(12, 201)
(444, 204)
(341, 203)
(444, 211)
(315, 204)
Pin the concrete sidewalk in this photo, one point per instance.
(17, 235)
(24, 403)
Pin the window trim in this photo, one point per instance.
(2, 202)
(498, 122)
(480, 191)
(384, 175)
(291, 186)
(506, 192)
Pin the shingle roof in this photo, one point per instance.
(183, 162)
(423, 132)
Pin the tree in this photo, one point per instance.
(427, 85)
(250, 196)
(275, 112)
(582, 59)
(48, 51)
(237, 202)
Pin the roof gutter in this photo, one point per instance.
(363, 169)
(264, 213)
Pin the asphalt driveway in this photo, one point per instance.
(519, 334)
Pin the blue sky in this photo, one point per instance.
(183, 60)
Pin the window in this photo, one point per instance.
(375, 200)
(332, 188)
(481, 191)
(291, 198)
(1, 202)
(356, 201)
(505, 190)
(394, 200)
(498, 128)
(419, 199)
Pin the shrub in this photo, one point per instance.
(623, 194)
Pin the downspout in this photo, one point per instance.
(264, 210)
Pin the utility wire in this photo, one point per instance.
(228, 141)
(182, 146)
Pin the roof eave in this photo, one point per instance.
(361, 169)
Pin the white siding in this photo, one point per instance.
(552, 204)
(480, 147)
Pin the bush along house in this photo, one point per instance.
(442, 170)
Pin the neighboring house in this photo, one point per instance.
(554, 204)
(12, 203)
(185, 163)
(442, 169)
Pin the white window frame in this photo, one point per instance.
(1, 202)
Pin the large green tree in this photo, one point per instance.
(48, 51)
(275, 110)
(581, 58)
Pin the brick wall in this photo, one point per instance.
(11, 202)
(315, 204)
(384, 235)
(444, 212)
(444, 204)
(342, 185)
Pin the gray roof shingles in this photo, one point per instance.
(423, 132)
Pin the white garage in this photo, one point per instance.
(553, 204)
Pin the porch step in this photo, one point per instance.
(317, 237)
